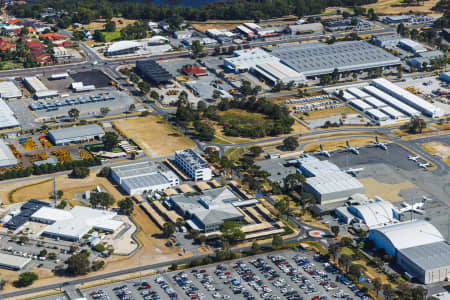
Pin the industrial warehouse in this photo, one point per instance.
(9, 90)
(316, 58)
(76, 134)
(264, 65)
(418, 247)
(144, 176)
(7, 118)
(150, 70)
(325, 181)
(74, 224)
(385, 102)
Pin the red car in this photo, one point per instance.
(148, 287)
(315, 298)
(202, 271)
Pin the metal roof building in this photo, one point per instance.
(375, 214)
(408, 98)
(7, 158)
(377, 115)
(360, 105)
(305, 28)
(405, 235)
(123, 47)
(9, 90)
(397, 104)
(152, 71)
(75, 134)
(13, 262)
(357, 93)
(418, 247)
(34, 84)
(318, 58)
(374, 102)
(208, 210)
(136, 178)
(7, 118)
(72, 225)
(326, 182)
(428, 263)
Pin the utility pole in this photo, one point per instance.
(55, 194)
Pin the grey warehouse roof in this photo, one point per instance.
(76, 132)
(144, 181)
(9, 90)
(212, 207)
(319, 58)
(13, 261)
(7, 158)
(429, 256)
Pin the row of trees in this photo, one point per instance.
(49, 168)
(86, 11)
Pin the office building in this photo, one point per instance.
(193, 165)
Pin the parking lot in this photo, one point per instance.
(116, 101)
(284, 275)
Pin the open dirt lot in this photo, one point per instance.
(325, 113)
(387, 191)
(154, 135)
(440, 149)
(385, 7)
(100, 24)
(43, 189)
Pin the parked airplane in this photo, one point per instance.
(416, 207)
(380, 144)
(425, 165)
(354, 171)
(323, 152)
(413, 158)
(352, 149)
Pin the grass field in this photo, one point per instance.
(440, 149)
(156, 136)
(43, 189)
(386, 7)
(111, 36)
(100, 24)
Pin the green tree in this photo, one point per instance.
(104, 111)
(97, 265)
(78, 264)
(74, 113)
(104, 172)
(377, 284)
(132, 108)
(256, 151)
(196, 48)
(168, 229)
(416, 124)
(283, 207)
(335, 230)
(110, 26)
(80, 172)
(126, 206)
(290, 143)
(231, 231)
(294, 180)
(26, 279)
(144, 87)
(101, 199)
(277, 241)
(345, 261)
(255, 247)
(110, 140)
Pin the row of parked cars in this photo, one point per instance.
(163, 284)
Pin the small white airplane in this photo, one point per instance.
(416, 207)
(354, 172)
(323, 152)
(352, 149)
(413, 158)
(425, 165)
(380, 144)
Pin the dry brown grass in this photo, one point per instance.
(325, 113)
(386, 7)
(387, 191)
(156, 136)
(437, 148)
(43, 189)
(444, 126)
(100, 24)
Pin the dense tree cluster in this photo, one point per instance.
(85, 11)
(49, 168)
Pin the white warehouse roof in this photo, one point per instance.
(9, 90)
(123, 45)
(410, 234)
(407, 97)
(357, 92)
(378, 213)
(35, 84)
(374, 102)
(7, 158)
(406, 109)
(13, 262)
(359, 104)
(7, 118)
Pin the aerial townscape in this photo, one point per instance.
(225, 149)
